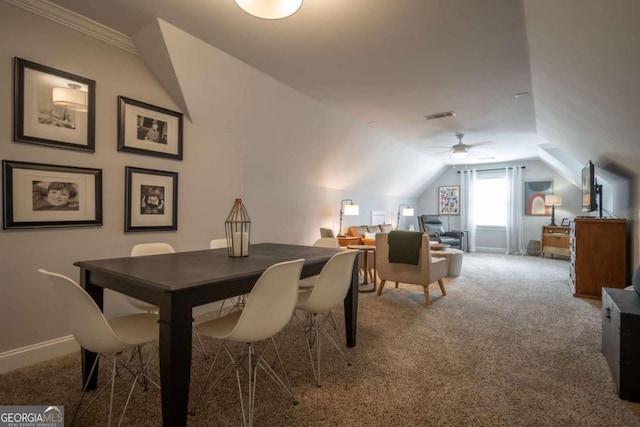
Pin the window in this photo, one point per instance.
(491, 199)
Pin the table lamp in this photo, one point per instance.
(553, 201)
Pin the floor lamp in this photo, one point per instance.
(407, 211)
(349, 209)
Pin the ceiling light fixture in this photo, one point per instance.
(70, 97)
(460, 152)
(440, 115)
(270, 9)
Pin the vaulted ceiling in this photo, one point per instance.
(574, 65)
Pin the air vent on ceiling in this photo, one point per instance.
(440, 115)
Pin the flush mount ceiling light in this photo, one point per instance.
(270, 9)
(70, 97)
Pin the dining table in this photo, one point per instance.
(180, 281)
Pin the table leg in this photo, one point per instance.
(89, 357)
(351, 307)
(175, 361)
(366, 270)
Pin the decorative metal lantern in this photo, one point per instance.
(238, 230)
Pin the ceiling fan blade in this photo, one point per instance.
(480, 144)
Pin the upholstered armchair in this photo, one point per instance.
(427, 271)
(433, 226)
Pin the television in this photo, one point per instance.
(589, 190)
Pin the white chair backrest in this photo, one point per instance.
(152, 249)
(83, 316)
(270, 304)
(333, 283)
(218, 244)
(327, 242)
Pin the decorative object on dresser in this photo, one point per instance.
(555, 240)
(621, 340)
(598, 255)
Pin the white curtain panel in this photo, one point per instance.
(467, 186)
(515, 211)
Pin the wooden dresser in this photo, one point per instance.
(598, 256)
(555, 240)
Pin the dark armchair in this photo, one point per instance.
(433, 226)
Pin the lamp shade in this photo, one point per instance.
(553, 200)
(460, 153)
(407, 212)
(270, 9)
(70, 97)
(352, 210)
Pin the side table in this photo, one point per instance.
(366, 249)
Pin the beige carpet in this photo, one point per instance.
(507, 346)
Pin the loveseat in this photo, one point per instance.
(367, 233)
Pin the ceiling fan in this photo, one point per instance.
(460, 150)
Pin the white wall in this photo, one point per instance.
(494, 239)
(210, 176)
(290, 191)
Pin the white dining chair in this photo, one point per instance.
(143, 249)
(156, 248)
(105, 337)
(236, 302)
(323, 242)
(268, 309)
(329, 291)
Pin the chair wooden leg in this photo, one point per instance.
(381, 286)
(444, 292)
(396, 285)
(426, 295)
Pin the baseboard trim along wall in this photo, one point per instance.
(36, 353)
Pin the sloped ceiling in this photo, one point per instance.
(386, 64)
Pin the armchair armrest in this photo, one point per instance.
(454, 233)
(435, 236)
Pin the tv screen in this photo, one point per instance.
(589, 201)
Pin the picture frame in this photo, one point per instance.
(45, 196)
(149, 130)
(565, 222)
(42, 116)
(534, 193)
(449, 200)
(151, 200)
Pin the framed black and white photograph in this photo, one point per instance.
(151, 200)
(565, 222)
(149, 130)
(53, 108)
(38, 195)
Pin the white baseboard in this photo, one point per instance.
(491, 250)
(36, 353)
